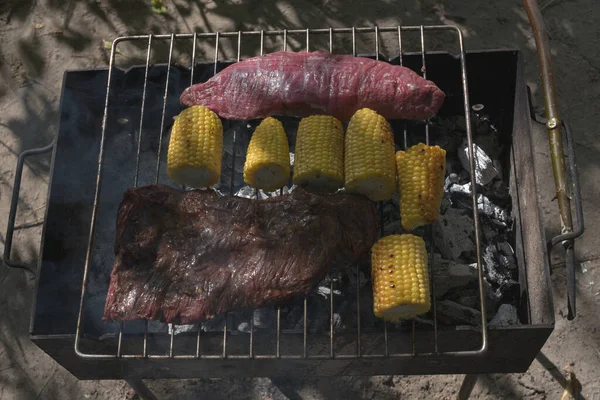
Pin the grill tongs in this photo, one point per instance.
(562, 176)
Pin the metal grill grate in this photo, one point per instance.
(304, 354)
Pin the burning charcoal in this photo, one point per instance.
(420, 320)
(485, 171)
(262, 195)
(452, 313)
(352, 277)
(496, 213)
(503, 286)
(265, 318)
(247, 192)
(471, 301)
(489, 229)
(325, 291)
(491, 265)
(217, 191)
(465, 189)
(506, 315)
(244, 327)
(452, 235)
(337, 321)
(506, 255)
(318, 315)
(214, 325)
(156, 326)
(451, 179)
(177, 329)
(394, 227)
(449, 275)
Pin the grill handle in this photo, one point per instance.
(554, 124)
(577, 230)
(10, 229)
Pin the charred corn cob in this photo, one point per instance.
(370, 166)
(421, 171)
(267, 163)
(400, 277)
(319, 157)
(195, 148)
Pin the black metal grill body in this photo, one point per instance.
(496, 80)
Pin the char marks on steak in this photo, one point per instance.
(303, 83)
(185, 257)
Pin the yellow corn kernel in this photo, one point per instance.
(267, 165)
(369, 163)
(400, 277)
(195, 148)
(319, 156)
(421, 171)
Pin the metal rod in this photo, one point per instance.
(295, 32)
(331, 275)
(358, 349)
(552, 117)
(193, 58)
(430, 227)
(278, 345)
(413, 338)
(172, 340)
(262, 46)
(376, 42)
(385, 339)
(580, 227)
(304, 350)
(262, 42)
(216, 60)
(278, 334)
(404, 131)
(307, 39)
(139, 144)
(162, 120)
(88, 254)
(216, 53)
(331, 319)
(400, 44)
(224, 355)
(354, 41)
(467, 110)
(198, 342)
(120, 340)
(145, 349)
(305, 327)
(14, 202)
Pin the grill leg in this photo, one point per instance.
(141, 389)
(467, 386)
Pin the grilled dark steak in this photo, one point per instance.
(301, 84)
(187, 256)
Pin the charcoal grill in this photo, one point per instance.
(112, 136)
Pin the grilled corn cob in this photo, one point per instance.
(319, 157)
(370, 166)
(400, 277)
(267, 163)
(421, 171)
(195, 147)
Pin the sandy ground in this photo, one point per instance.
(42, 38)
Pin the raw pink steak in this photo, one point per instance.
(302, 84)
